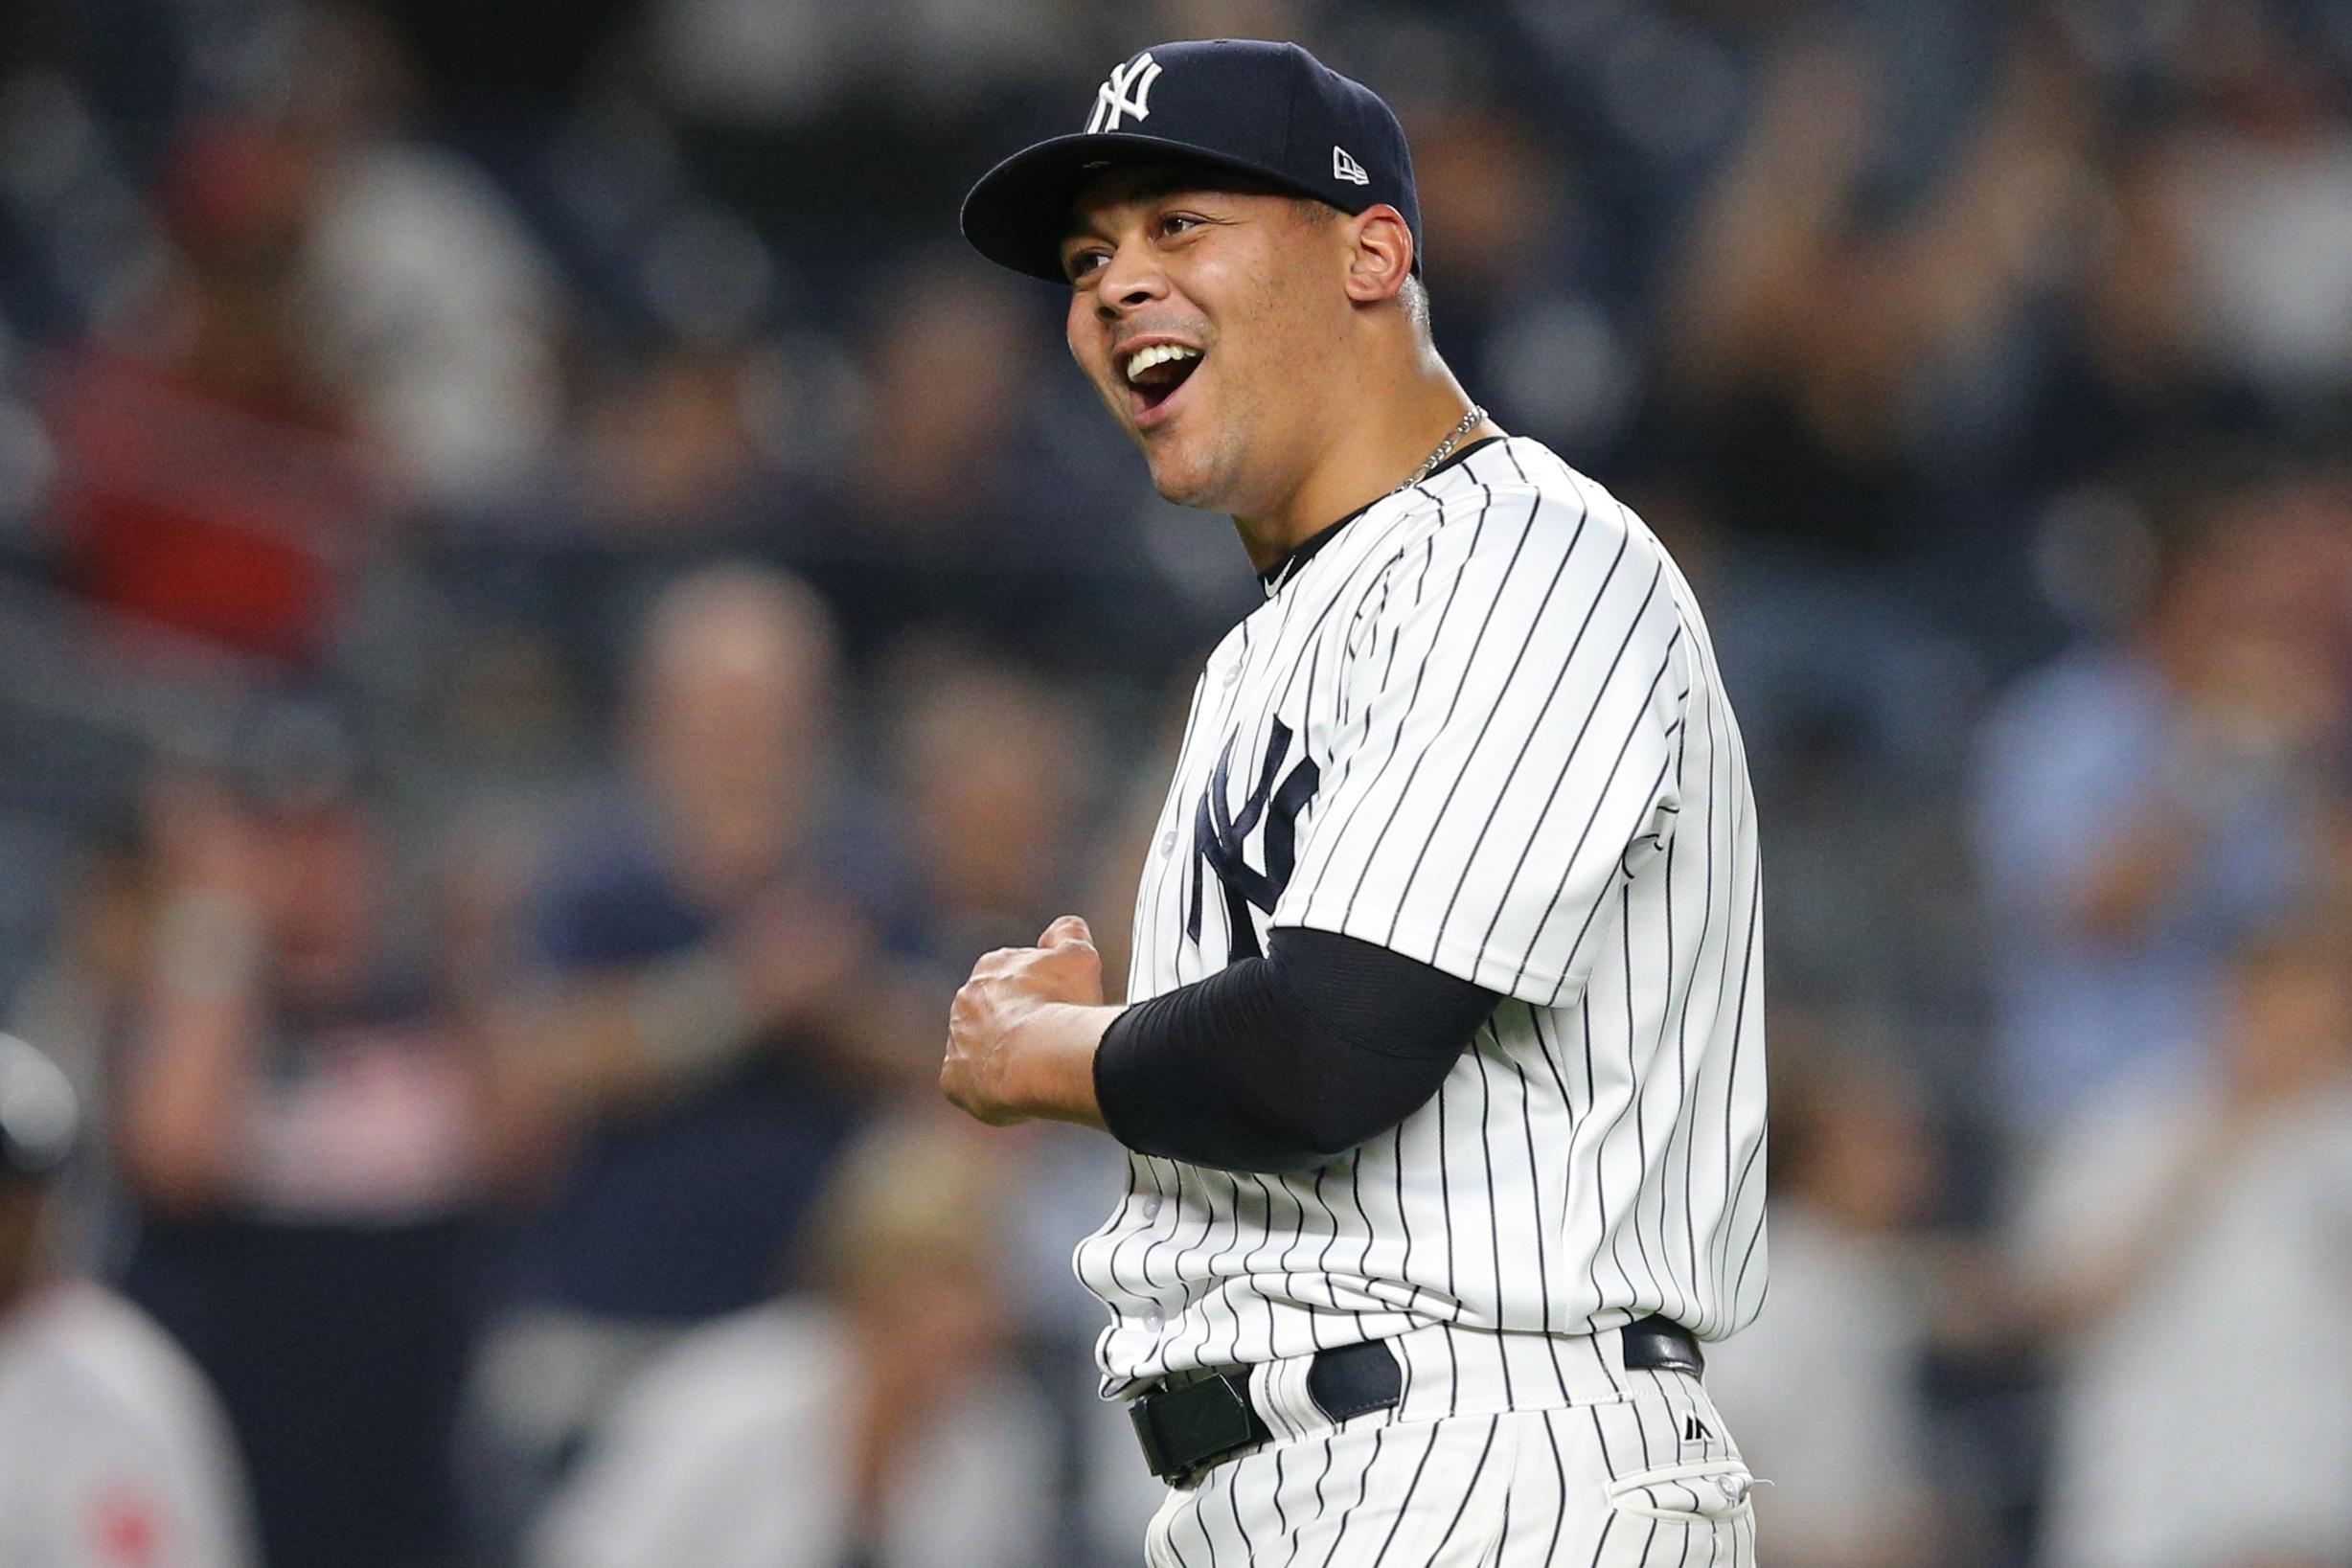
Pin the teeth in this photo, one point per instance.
(1159, 353)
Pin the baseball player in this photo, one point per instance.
(113, 1451)
(1441, 1072)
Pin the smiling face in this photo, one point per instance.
(1207, 310)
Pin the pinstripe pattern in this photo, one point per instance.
(1527, 776)
(1606, 1486)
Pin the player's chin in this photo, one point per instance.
(1181, 454)
(1178, 473)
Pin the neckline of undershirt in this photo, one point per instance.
(1282, 571)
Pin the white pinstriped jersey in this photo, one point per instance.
(1480, 725)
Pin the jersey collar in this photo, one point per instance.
(1274, 576)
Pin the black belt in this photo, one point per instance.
(1210, 1420)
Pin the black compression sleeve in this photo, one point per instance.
(1284, 1063)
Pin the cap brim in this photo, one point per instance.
(1020, 212)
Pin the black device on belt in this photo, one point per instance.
(1197, 1425)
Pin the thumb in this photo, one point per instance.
(1069, 928)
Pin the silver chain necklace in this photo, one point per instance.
(1445, 448)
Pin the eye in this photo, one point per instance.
(1172, 224)
(1082, 263)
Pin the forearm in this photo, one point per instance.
(2211, 782)
(185, 1104)
(873, 1033)
(2086, 1285)
(1284, 1063)
(1051, 1074)
(631, 1036)
(193, 1051)
(2123, 888)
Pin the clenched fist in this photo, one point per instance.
(1022, 1033)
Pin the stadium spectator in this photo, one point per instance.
(1803, 327)
(990, 745)
(970, 495)
(2186, 1248)
(2146, 800)
(209, 481)
(708, 1024)
(1826, 1385)
(436, 309)
(1819, 326)
(941, 412)
(1523, 321)
(308, 1138)
(879, 1419)
(992, 772)
(2258, 177)
(113, 1452)
(666, 457)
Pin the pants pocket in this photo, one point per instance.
(1701, 1491)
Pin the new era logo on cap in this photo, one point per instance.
(1345, 168)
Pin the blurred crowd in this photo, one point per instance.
(552, 609)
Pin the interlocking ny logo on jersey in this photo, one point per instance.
(1127, 92)
(1220, 838)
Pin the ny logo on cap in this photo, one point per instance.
(1127, 92)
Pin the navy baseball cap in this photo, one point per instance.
(1267, 110)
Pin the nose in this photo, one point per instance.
(1131, 278)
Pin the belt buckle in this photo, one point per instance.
(1185, 1429)
(1659, 1344)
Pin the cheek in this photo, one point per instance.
(1082, 335)
(1265, 315)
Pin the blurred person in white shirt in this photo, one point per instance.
(1825, 1386)
(2189, 1253)
(113, 1452)
(878, 1423)
(423, 286)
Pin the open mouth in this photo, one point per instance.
(1156, 371)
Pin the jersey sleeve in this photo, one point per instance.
(1501, 750)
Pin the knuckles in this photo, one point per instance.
(973, 997)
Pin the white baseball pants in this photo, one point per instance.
(1505, 1451)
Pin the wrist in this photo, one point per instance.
(1051, 1074)
(207, 943)
(689, 1013)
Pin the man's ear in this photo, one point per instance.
(1381, 256)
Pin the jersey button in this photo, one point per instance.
(1154, 1320)
(1166, 844)
(1151, 1207)
(1233, 673)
